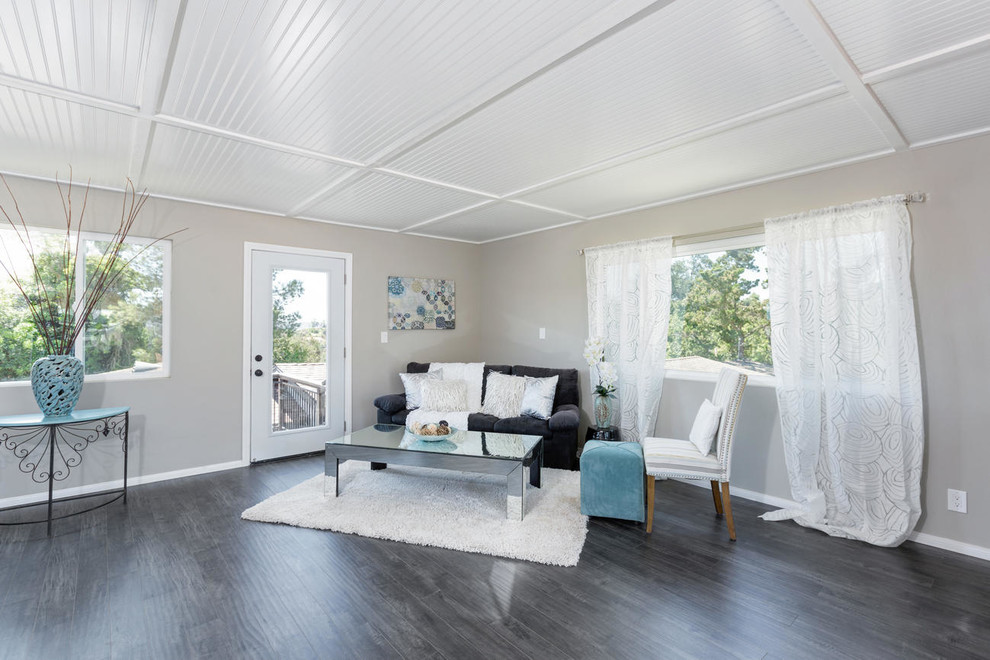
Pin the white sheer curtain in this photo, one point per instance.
(629, 306)
(845, 354)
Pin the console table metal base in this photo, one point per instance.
(37, 440)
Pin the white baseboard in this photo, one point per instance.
(951, 545)
(762, 498)
(35, 498)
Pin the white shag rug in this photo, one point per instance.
(441, 508)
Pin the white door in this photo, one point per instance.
(297, 353)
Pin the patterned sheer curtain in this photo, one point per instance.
(629, 306)
(845, 354)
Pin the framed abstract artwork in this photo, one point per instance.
(420, 303)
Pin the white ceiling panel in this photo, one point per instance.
(406, 115)
(351, 77)
(832, 130)
(941, 100)
(658, 79)
(494, 221)
(383, 201)
(95, 47)
(187, 164)
(881, 33)
(40, 136)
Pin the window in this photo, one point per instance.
(719, 311)
(125, 338)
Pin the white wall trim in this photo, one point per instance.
(951, 545)
(348, 259)
(758, 380)
(36, 498)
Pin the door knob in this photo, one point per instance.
(259, 372)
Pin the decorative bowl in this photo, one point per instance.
(432, 438)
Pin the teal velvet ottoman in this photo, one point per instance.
(613, 480)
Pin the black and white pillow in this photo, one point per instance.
(414, 387)
(503, 395)
(445, 395)
(538, 398)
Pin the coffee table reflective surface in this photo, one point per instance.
(518, 457)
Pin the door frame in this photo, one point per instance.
(249, 248)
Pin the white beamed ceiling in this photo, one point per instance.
(476, 121)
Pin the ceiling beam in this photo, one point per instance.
(805, 16)
(161, 41)
(64, 94)
(928, 59)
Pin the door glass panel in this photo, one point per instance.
(299, 349)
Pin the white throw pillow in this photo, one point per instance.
(538, 399)
(414, 383)
(504, 395)
(444, 395)
(470, 372)
(705, 427)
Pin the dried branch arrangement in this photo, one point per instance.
(58, 310)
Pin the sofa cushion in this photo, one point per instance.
(413, 385)
(472, 373)
(489, 368)
(391, 403)
(481, 422)
(567, 383)
(538, 398)
(526, 425)
(504, 396)
(445, 395)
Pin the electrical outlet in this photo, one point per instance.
(543, 333)
(957, 500)
(384, 337)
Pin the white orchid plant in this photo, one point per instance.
(594, 355)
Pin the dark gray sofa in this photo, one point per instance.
(560, 432)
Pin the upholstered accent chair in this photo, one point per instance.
(680, 459)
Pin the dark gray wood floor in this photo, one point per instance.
(177, 574)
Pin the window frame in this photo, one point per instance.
(80, 347)
(756, 238)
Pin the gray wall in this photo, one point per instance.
(507, 290)
(538, 281)
(193, 418)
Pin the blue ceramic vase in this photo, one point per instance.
(57, 382)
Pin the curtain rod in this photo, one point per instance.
(909, 198)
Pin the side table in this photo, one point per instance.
(611, 434)
(49, 447)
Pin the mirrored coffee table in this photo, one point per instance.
(518, 457)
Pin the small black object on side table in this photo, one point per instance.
(611, 434)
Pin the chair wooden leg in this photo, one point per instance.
(727, 505)
(717, 497)
(650, 496)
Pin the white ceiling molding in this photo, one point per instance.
(477, 123)
(810, 22)
(159, 55)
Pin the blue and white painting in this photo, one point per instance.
(420, 303)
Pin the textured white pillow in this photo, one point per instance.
(444, 395)
(537, 401)
(413, 384)
(705, 426)
(470, 372)
(504, 395)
